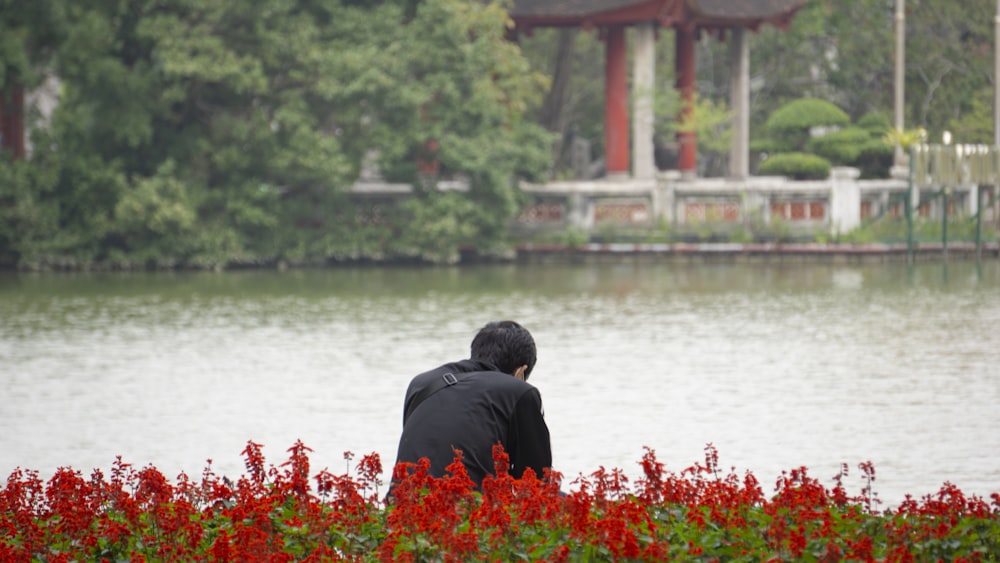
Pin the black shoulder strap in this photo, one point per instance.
(447, 380)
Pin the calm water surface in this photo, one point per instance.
(778, 366)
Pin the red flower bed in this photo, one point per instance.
(285, 513)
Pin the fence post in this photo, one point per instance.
(579, 212)
(845, 200)
(979, 225)
(945, 192)
(908, 206)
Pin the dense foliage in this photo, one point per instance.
(804, 113)
(796, 165)
(807, 136)
(206, 134)
(289, 513)
(202, 133)
(842, 146)
(843, 51)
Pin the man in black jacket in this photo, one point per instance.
(473, 404)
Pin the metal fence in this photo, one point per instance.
(956, 180)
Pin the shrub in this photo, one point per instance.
(768, 145)
(840, 147)
(796, 165)
(877, 124)
(788, 128)
(804, 114)
(874, 159)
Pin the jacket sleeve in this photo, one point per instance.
(528, 444)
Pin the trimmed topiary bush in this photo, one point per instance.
(770, 145)
(796, 165)
(788, 129)
(877, 124)
(874, 159)
(840, 147)
(805, 113)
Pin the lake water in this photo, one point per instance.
(779, 366)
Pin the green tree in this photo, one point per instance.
(949, 60)
(574, 106)
(858, 54)
(975, 123)
(199, 133)
(30, 33)
(470, 91)
(846, 54)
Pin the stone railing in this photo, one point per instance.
(835, 205)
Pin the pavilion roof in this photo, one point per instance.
(668, 13)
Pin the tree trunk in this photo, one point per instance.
(12, 119)
(557, 108)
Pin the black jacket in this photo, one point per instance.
(484, 408)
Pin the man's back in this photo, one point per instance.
(482, 408)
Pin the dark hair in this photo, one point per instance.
(505, 344)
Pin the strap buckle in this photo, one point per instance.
(449, 379)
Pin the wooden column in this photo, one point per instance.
(688, 140)
(899, 21)
(616, 102)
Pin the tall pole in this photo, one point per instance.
(739, 101)
(900, 24)
(996, 77)
(908, 206)
(996, 97)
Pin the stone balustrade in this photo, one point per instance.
(834, 206)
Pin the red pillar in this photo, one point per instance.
(616, 134)
(12, 119)
(688, 140)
